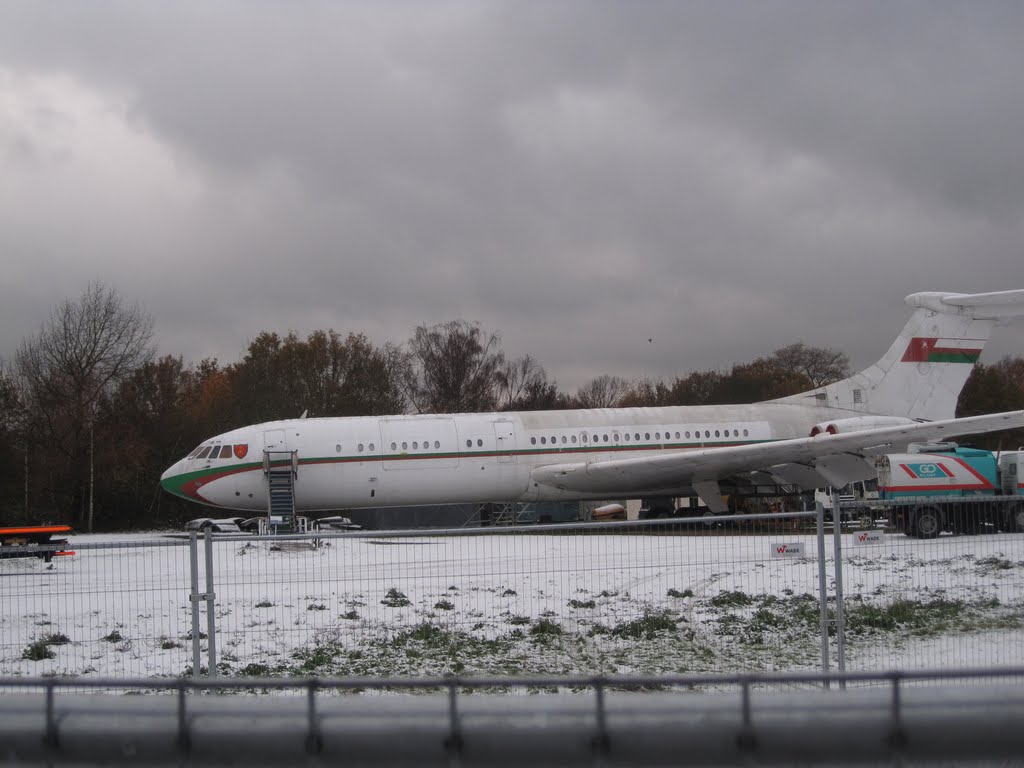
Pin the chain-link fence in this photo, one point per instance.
(707, 595)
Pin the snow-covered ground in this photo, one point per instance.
(537, 602)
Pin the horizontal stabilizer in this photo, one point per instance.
(997, 305)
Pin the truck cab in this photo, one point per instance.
(1011, 472)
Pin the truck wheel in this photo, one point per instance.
(927, 522)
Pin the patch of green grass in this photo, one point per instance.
(545, 628)
(673, 592)
(395, 599)
(574, 603)
(38, 650)
(647, 627)
(734, 599)
(994, 563)
(914, 616)
(254, 669)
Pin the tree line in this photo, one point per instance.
(90, 415)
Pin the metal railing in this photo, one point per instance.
(762, 719)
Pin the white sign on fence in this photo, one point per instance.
(868, 537)
(794, 549)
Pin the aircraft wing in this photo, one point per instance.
(839, 459)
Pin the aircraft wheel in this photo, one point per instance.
(927, 523)
(709, 519)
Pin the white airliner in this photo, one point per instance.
(825, 437)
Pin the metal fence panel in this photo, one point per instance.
(114, 609)
(656, 597)
(954, 600)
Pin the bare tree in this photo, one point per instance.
(820, 365)
(455, 367)
(603, 392)
(78, 356)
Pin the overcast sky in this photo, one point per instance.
(722, 178)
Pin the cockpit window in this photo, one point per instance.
(225, 452)
(195, 452)
(203, 453)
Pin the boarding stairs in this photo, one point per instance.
(281, 469)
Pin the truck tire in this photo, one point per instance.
(927, 522)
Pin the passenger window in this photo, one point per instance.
(707, 433)
(360, 447)
(564, 441)
(405, 446)
(574, 439)
(647, 435)
(717, 434)
(371, 446)
(437, 443)
(637, 437)
(533, 441)
(745, 433)
(657, 435)
(543, 441)
(415, 445)
(687, 434)
(479, 443)
(584, 437)
(469, 443)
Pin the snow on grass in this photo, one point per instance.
(511, 605)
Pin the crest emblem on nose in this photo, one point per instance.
(241, 450)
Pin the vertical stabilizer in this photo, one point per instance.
(921, 375)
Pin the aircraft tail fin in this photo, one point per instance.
(921, 375)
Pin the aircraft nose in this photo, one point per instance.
(169, 480)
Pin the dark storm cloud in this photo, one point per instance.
(723, 178)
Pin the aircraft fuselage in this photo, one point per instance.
(407, 460)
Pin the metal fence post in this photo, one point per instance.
(837, 535)
(194, 597)
(822, 589)
(211, 614)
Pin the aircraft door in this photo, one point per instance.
(505, 439)
(274, 440)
